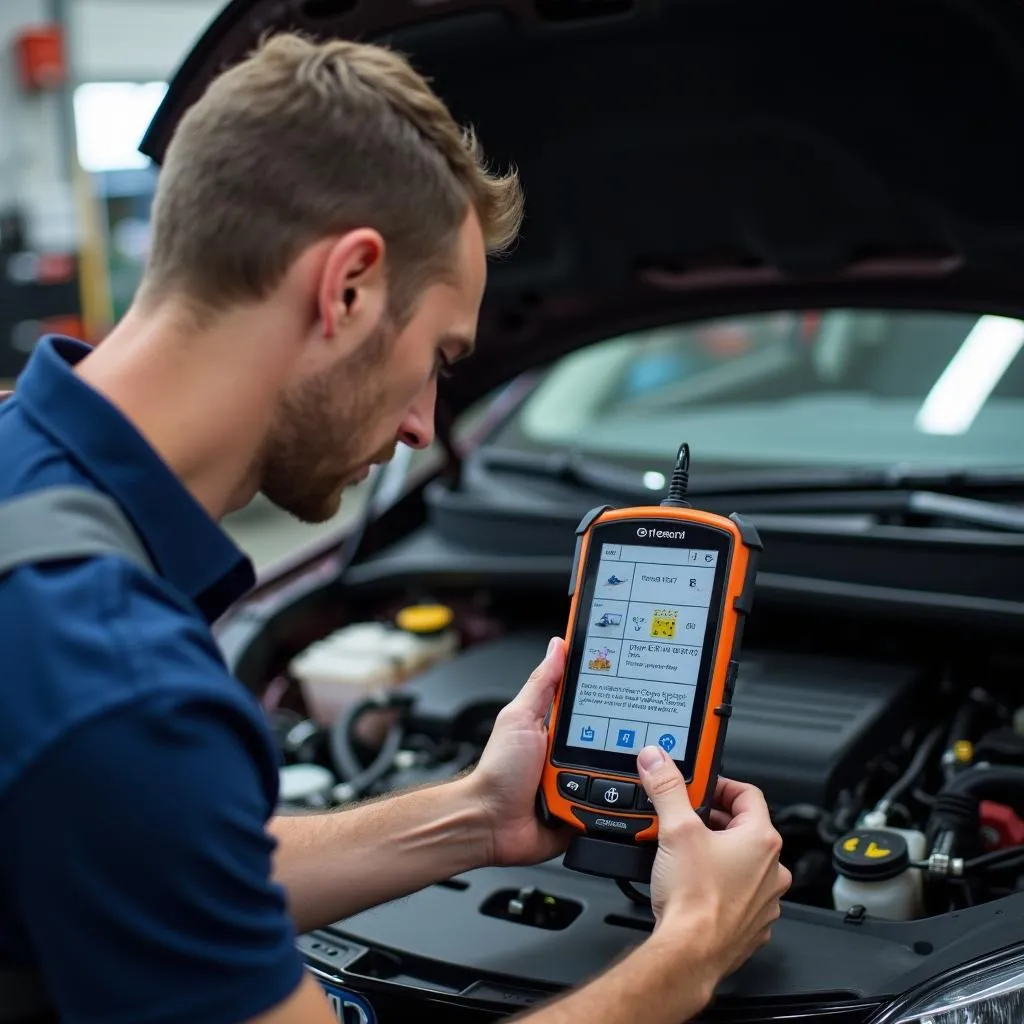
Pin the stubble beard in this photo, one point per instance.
(318, 444)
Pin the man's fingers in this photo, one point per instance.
(666, 788)
(718, 820)
(535, 696)
(741, 801)
(726, 792)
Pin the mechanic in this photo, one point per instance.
(320, 237)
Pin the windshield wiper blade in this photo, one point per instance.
(572, 468)
(892, 478)
(991, 515)
(915, 509)
(907, 495)
(882, 505)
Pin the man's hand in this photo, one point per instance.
(334, 865)
(715, 893)
(723, 883)
(508, 774)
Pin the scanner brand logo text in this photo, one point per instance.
(643, 531)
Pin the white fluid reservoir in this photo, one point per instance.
(873, 871)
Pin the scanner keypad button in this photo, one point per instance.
(612, 794)
(573, 787)
(643, 801)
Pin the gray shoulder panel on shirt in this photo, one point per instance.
(62, 523)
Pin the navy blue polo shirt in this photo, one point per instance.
(136, 774)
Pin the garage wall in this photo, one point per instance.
(12, 118)
(133, 40)
(33, 166)
(108, 40)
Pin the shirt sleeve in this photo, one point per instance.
(140, 865)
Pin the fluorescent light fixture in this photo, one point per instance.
(971, 376)
(110, 120)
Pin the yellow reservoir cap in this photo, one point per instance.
(963, 752)
(425, 618)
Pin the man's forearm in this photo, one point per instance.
(665, 980)
(334, 865)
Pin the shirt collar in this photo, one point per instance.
(188, 547)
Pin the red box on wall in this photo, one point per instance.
(40, 57)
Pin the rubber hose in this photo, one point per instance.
(1001, 783)
(957, 803)
(917, 765)
(353, 774)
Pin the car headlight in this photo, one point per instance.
(989, 992)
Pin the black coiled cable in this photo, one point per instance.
(680, 482)
(357, 778)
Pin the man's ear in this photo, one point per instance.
(353, 286)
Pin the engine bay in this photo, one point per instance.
(890, 750)
(838, 735)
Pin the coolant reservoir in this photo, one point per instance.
(346, 667)
(873, 871)
(367, 658)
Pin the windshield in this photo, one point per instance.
(790, 390)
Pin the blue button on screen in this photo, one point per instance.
(670, 738)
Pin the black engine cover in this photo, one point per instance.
(802, 726)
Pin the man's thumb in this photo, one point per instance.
(540, 687)
(664, 783)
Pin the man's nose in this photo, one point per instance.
(417, 427)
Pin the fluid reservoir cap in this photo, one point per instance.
(425, 619)
(870, 855)
(963, 752)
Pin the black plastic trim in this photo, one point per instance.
(544, 812)
(724, 712)
(588, 520)
(585, 523)
(748, 532)
(731, 674)
(752, 541)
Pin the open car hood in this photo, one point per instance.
(695, 157)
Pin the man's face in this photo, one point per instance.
(332, 427)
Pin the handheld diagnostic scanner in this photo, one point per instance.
(659, 597)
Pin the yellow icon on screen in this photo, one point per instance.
(663, 623)
(601, 662)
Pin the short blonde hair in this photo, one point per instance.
(303, 140)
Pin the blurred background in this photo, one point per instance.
(79, 82)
